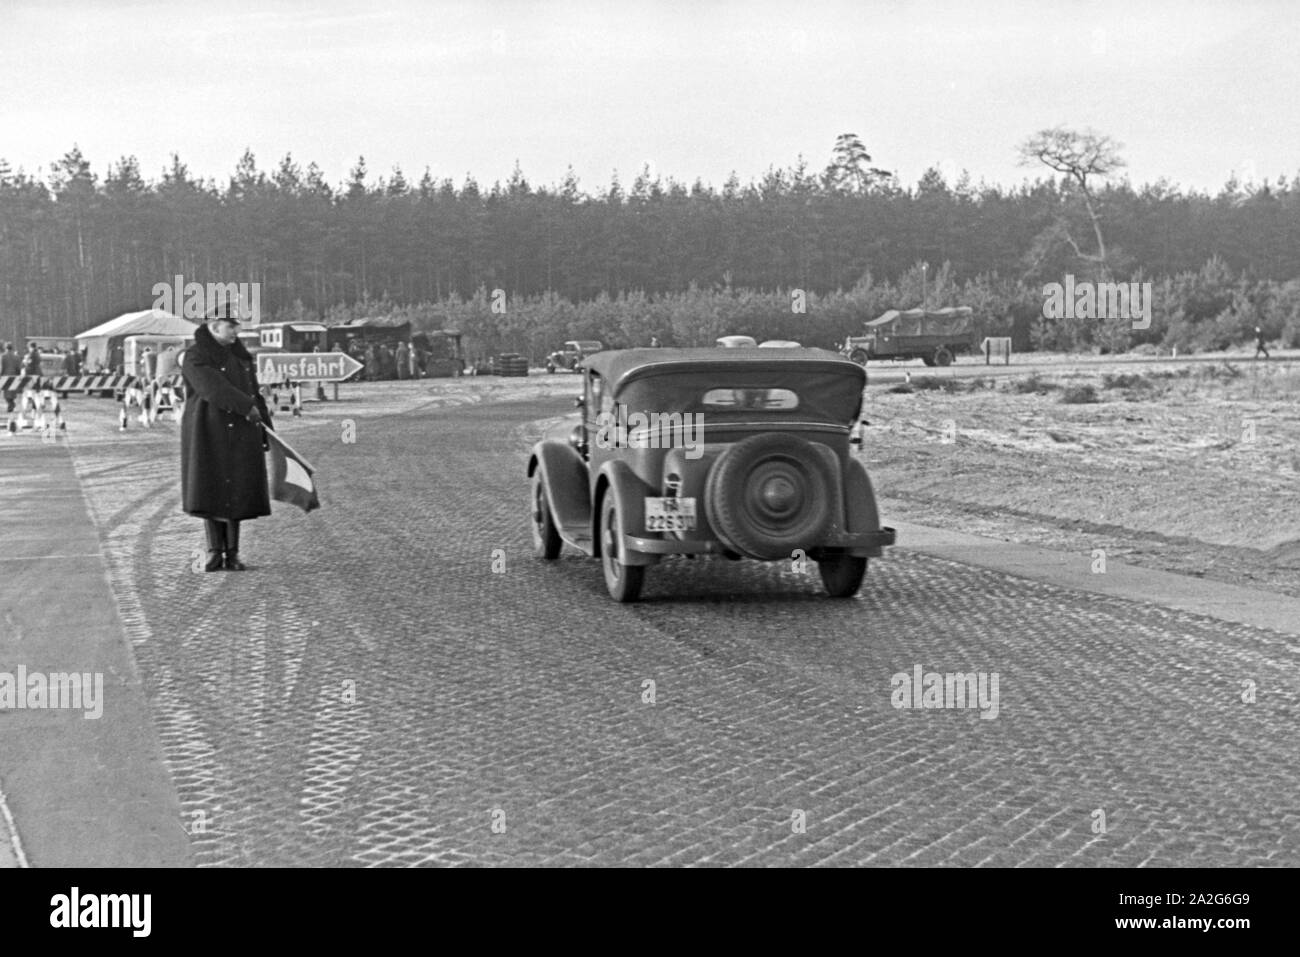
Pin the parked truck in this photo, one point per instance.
(933, 336)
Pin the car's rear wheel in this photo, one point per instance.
(622, 581)
(842, 574)
(928, 360)
(942, 356)
(546, 537)
(859, 356)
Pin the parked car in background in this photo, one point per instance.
(737, 342)
(779, 344)
(745, 454)
(571, 356)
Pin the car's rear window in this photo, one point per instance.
(750, 400)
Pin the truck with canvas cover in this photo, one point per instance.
(931, 335)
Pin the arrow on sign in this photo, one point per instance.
(300, 366)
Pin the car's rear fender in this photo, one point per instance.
(566, 485)
(860, 508)
(617, 478)
(694, 474)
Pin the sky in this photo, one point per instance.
(1195, 92)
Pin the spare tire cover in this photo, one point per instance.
(768, 495)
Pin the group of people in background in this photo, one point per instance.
(30, 363)
(387, 361)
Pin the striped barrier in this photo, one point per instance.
(19, 383)
(151, 397)
(92, 383)
(68, 383)
(39, 408)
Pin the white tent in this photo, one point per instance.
(100, 341)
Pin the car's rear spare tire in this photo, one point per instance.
(770, 494)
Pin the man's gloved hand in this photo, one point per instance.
(254, 417)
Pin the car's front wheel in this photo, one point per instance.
(622, 581)
(842, 574)
(546, 537)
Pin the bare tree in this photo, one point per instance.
(1079, 155)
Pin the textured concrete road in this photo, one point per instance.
(399, 682)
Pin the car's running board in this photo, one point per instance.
(582, 541)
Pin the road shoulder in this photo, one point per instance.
(83, 791)
(1225, 602)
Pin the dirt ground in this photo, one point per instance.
(1189, 468)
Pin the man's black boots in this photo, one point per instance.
(233, 563)
(216, 544)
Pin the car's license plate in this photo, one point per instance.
(669, 514)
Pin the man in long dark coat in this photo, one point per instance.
(223, 471)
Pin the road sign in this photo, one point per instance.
(300, 366)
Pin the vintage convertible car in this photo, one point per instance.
(745, 453)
